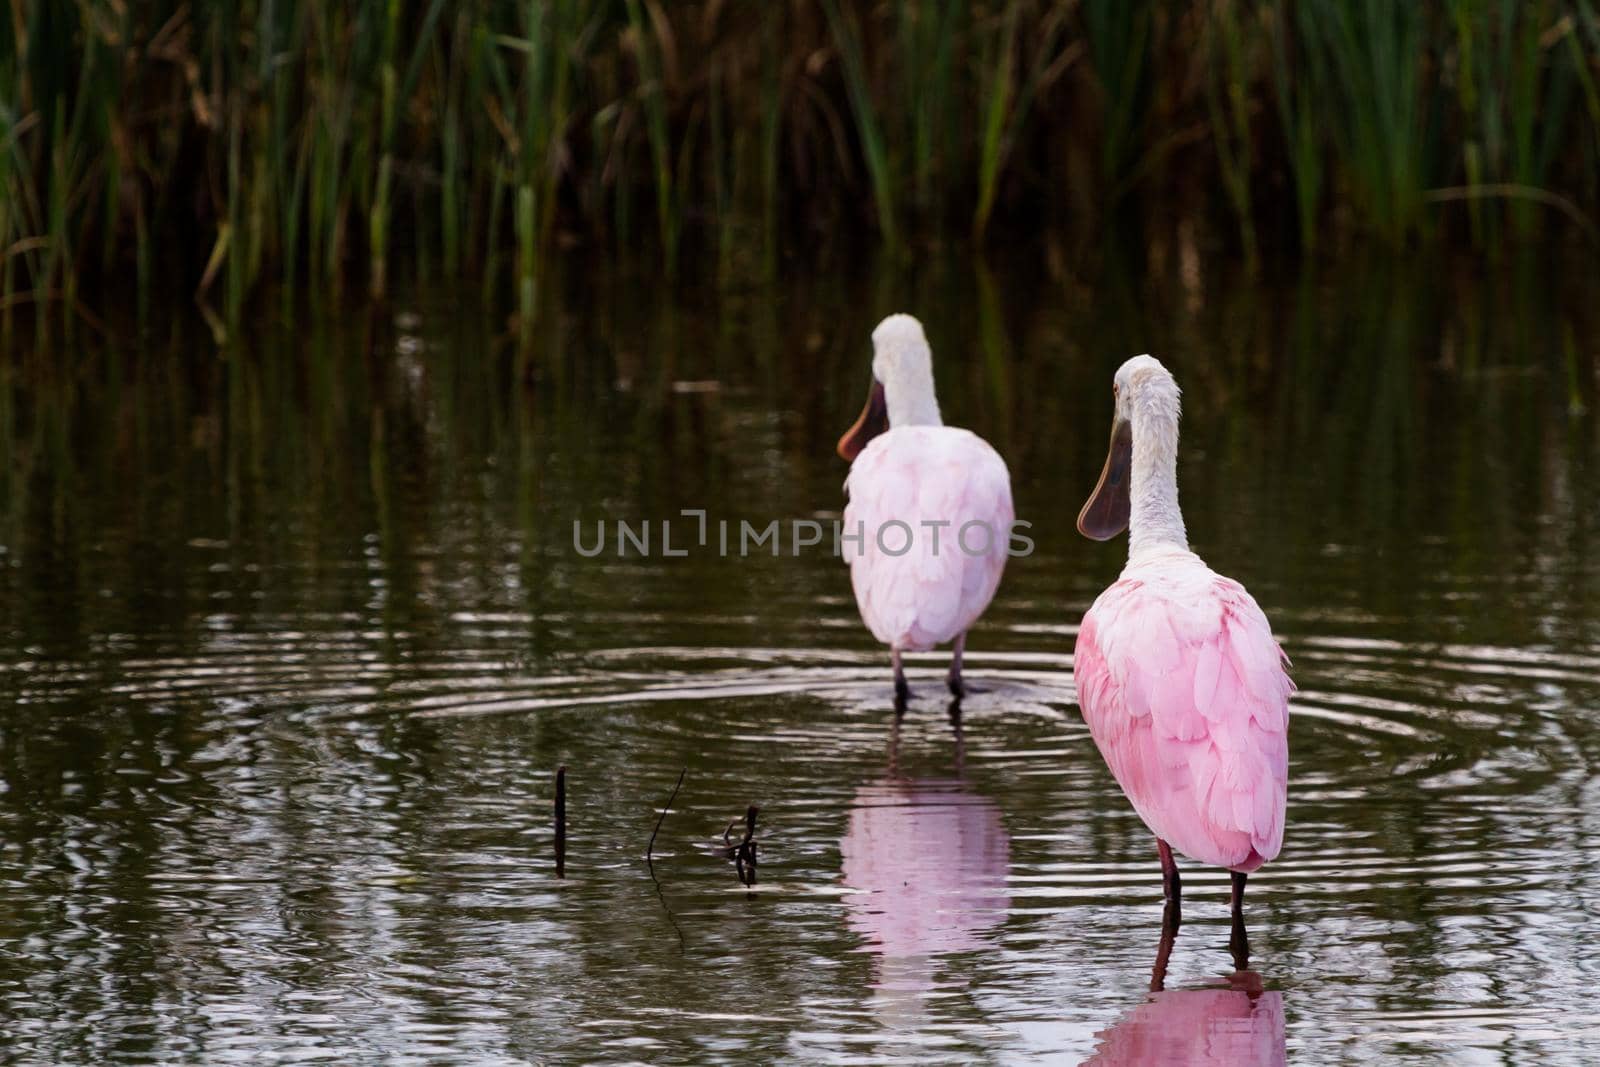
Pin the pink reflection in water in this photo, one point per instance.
(930, 860)
(1237, 1024)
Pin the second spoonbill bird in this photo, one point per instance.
(929, 520)
(1180, 680)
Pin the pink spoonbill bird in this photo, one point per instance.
(929, 520)
(1180, 680)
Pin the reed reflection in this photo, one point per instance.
(928, 858)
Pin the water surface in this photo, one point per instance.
(293, 638)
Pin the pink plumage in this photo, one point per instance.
(933, 592)
(1185, 693)
(1180, 1027)
(930, 859)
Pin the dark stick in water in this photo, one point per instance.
(561, 821)
(648, 849)
(744, 859)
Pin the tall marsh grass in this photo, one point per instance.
(217, 149)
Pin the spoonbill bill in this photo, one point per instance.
(1180, 680)
(928, 523)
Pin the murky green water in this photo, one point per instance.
(292, 643)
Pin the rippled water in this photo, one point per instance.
(293, 642)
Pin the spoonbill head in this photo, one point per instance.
(902, 385)
(1179, 677)
(929, 517)
(1144, 390)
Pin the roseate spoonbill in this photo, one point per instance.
(1178, 675)
(929, 518)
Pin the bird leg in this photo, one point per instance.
(960, 738)
(1170, 884)
(1239, 941)
(953, 680)
(1169, 933)
(902, 691)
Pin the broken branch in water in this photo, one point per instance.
(744, 854)
(650, 848)
(561, 821)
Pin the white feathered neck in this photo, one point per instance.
(1148, 397)
(903, 363)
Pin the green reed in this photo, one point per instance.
(869, 133)
(220, 149)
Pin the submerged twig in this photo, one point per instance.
(660, 894)
(561, 821)
(650, 848)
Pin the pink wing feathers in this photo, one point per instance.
(914, 474)
(1185, 693)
